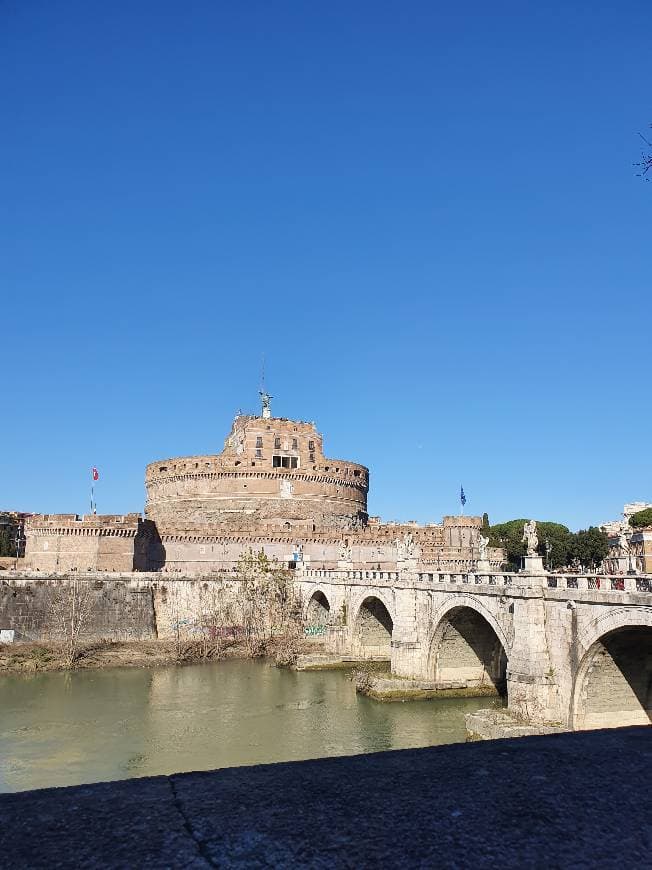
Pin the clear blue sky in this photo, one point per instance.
(425, 214)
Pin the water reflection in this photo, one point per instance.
(62, 729)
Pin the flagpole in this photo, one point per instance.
(92, 490)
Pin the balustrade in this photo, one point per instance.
(588, 582)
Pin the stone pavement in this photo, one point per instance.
(568, 800)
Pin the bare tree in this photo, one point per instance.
(645, 164)
(269, 606)
(252, 573)
(70, 609)
(216, 621)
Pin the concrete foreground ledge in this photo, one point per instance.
(566, 800)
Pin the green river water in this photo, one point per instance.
(89, 726)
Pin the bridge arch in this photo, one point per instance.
(318, 609)
(372, 627)
(613, 682)
(467, 645)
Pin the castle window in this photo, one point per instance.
(285, 462)
(163, 468)
(295, 444)
(312, 457)
(356, 472)
(311, 445)
(259, 441)
(259, 454)
(277, 443)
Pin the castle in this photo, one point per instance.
(271, 489)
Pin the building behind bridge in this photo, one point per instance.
(271, 488)
(630, 549)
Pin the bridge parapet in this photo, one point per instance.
(605, 584)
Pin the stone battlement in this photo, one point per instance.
(75, 522)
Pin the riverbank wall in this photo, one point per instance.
(509, 804)
(129, 606)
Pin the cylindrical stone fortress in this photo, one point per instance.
(272, 471)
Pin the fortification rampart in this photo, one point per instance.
(108, 542)
(204, 548)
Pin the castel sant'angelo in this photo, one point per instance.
(271, 489)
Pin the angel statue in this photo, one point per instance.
(266, 400)
(530, 537)
(405, 547)
(483, 543)
(346, 553)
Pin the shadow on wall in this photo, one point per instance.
(616, 688)
(470, 651)
(149, 552)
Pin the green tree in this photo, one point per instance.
(641, 519)
(8, 531)
(509, 535)
(589, 547)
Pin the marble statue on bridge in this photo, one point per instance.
(530, 537)
(405, 547)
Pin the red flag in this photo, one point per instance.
(96, 474)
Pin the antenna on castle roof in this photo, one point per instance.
(265, 398)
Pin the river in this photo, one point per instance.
(90, 726)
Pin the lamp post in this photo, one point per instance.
(548, 552)
(17, 544)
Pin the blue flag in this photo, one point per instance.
(462, 496)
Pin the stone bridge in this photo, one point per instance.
(573, 651)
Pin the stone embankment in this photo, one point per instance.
(315, 661)
(499, 724)
(565, 800)
(385, 686)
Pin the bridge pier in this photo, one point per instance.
(532, 681)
